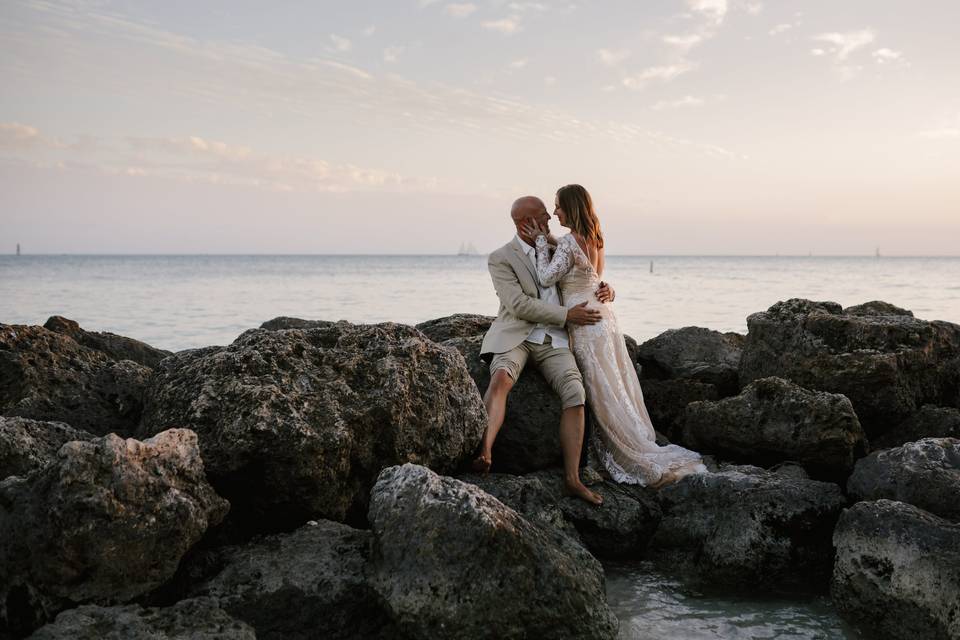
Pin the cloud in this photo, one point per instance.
(885, 55)
(521, 7)
(662, 73)
(15, 135)
(390, 54)
(686, 42)
(460, 9)
(846, 43)
(519, 63)
(818, 52)
(340, 43)
(506, 26)
(613, 57)
(684, 102)
(715, 10)
(780, 28)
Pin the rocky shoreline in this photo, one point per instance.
(310, 480)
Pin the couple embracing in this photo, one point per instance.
(555, 310)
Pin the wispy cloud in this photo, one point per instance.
(507, 26)
(663, 73)
(340, 43)
(391, 54)
(16, 135)
(780, 28)
(685, 42)
(715, 10)
(613, 57)
(519, 63)
(847, 42)
(460, 9)
(884, 55)
(681, 103)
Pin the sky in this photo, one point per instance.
(744, 127)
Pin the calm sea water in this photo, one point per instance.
(178, 302)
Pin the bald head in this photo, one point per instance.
(529, 208)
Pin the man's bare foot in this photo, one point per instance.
(481, 464)
(578, 490)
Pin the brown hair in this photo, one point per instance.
(577, 204)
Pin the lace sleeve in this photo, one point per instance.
(551, 270)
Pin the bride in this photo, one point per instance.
(624, 439)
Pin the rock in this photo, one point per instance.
(774, 420)
(530, 437)
(898, 571)
(632, 349)
(27, 445)
(622, 528)
(296, 424)
(284, 322)
(106, 522)
(452, 562)
(459, 325)
(114, 346)
(311, 583)
(928, 422)
(888, 365)
(666, 401)
(694, 353)
(48, 376)
(749, 528)
(925, 474)
(196, 619)
(877, 308)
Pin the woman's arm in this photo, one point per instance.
(550, 270)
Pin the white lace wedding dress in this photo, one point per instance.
(623, 438)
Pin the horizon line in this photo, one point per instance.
(481, 255)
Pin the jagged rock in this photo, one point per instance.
(107, 521)
(296, 424)
(666, 401)
(452, 562)
(530, 437)
(747, 527)
(774, 420)
(888, 365)
(622, 528)
(284, 322)
(48, 376)
(459, 325)
(27, 445)
(928, 422)
(694, 353)
(632, 348)
(116, 347)
(925, 474)
(877, 308)
(195, 619)
(898, 571)
(307, 584)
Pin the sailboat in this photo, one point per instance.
(467, 249)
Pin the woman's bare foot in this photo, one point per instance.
(578, 490)
(481, 464)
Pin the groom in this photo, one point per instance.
(530, 325)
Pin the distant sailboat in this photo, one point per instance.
(878, 252)
(467, 249)
(18, 248)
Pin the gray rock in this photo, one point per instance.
(898, 571)
(296, 424)
(113, 345)
(694, 353)
(925, 474)
(877, 308)
(27, 445)
(452, 561)
(888, 365)
(774, 420)
(106, 522)
(285, 322)
(749, 528)
(459, 325)
(196, 619)
(666, 401)
(48, 376)
(621, 528)
(307, 584)
(928, 422)
(530, 437)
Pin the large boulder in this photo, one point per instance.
(111, 344)
(106, 522)
(774, 420)
(48, 376)
(459, 325)
(306, 584)
(27, 445)
(667, 400)
(195, 619)
(925, 473)
(285, 322)
(452, 562)
(750, 528)
(530, 437)
(694, 353)
(877, 308)
(929, 421)
(888, 365)
(620, 529)
(897, 571)
(296, 424)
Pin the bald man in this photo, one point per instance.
(531, 326)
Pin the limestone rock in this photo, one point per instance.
(285, 322)
(877, 308)
(113, 345)
(666, 401)
(27, 445)
(459, 325)
(929, 421)
(694, 353)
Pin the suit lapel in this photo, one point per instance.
(521, 264)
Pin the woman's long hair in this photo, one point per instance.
(578, 206)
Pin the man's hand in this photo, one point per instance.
(580, 314)
(605, 293)
(530, 229)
